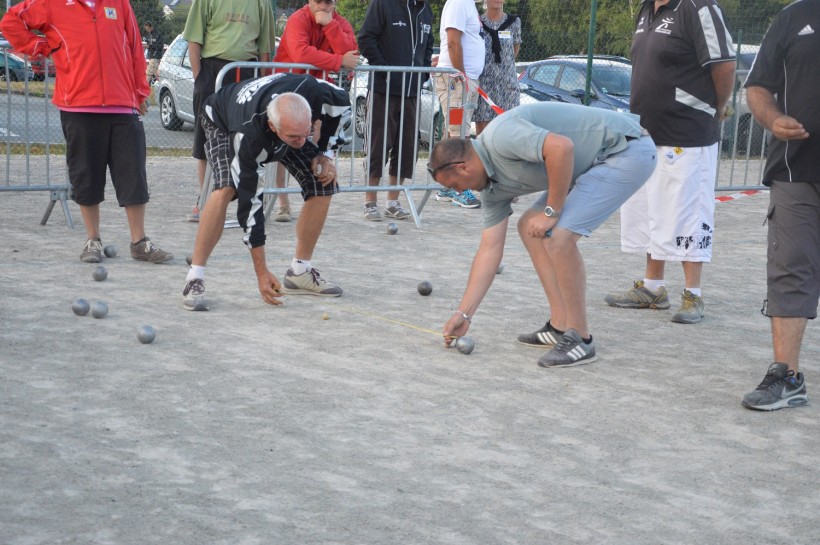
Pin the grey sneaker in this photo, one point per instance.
(546, 337)
(446, 195)
(639, 297)
(92, 251)
(570, 351)
(284, 215)
(371, 212)
(467, 199)
(144, 250)
(691, 309)
(193, 296)
(780, 389)
(309, 283)
(396, 212)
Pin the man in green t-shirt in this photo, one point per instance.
(220, 32)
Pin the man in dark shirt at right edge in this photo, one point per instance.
(783, 92)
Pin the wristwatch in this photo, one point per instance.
(551, 212)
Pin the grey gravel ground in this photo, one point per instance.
(251, 424)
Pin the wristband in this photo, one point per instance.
(463, 315)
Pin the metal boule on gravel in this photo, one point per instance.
(425, 287)
(500, 268)
(99, 309)
(392, 228)
(465, 345)
(80, 307)
(146, 334)
(189, 258)
(100, 273)
(110, 251)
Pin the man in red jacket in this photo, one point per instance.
(101, 93)
(317, 35)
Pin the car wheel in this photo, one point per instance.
(168, 112)
(361, 117)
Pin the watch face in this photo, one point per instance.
(549, 211)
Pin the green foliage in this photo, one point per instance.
(151, 11)
(353, 11)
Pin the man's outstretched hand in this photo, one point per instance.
(270, 288)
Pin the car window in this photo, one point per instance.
(186, 60)
(613, 80)
(176, 52)
(546, 73)
(572, 79)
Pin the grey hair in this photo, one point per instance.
(288, 104)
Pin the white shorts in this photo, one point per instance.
(451, 94)
(672, 217)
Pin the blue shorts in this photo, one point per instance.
(602, 189)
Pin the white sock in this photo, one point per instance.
(393, 204)
(195, 272)
(300, 266)
(653, 285)
(695, 291)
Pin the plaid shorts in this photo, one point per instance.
(297, 161)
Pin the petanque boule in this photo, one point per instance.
(110, 251)
(425, 287)
(80, 307)
(100, 273)
(189, 258)
(99, 309)
(465, 345)
(146, 334)
(392, 228)
(500, 268)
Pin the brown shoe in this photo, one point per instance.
(144, 250)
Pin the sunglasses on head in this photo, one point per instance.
(433, 171)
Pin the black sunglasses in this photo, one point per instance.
(433, 171)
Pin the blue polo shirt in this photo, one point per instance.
(510, 148)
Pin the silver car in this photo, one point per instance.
(174, 86)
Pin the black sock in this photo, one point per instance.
(587, 341)
(550, 326)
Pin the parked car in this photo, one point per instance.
(430, 119)
(174, 85)
(14, 68)
(563, 78)
(39, 66)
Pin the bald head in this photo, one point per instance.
(289, 116)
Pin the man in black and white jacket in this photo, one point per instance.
(247, 125)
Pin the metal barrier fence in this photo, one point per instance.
(430, 120)
(23, 131)
(30, 126)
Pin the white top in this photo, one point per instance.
(462, 15)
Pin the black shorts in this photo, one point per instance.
(220, 154)
(95, 142)
(398, 135)
(793, 267)
(204, 86)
